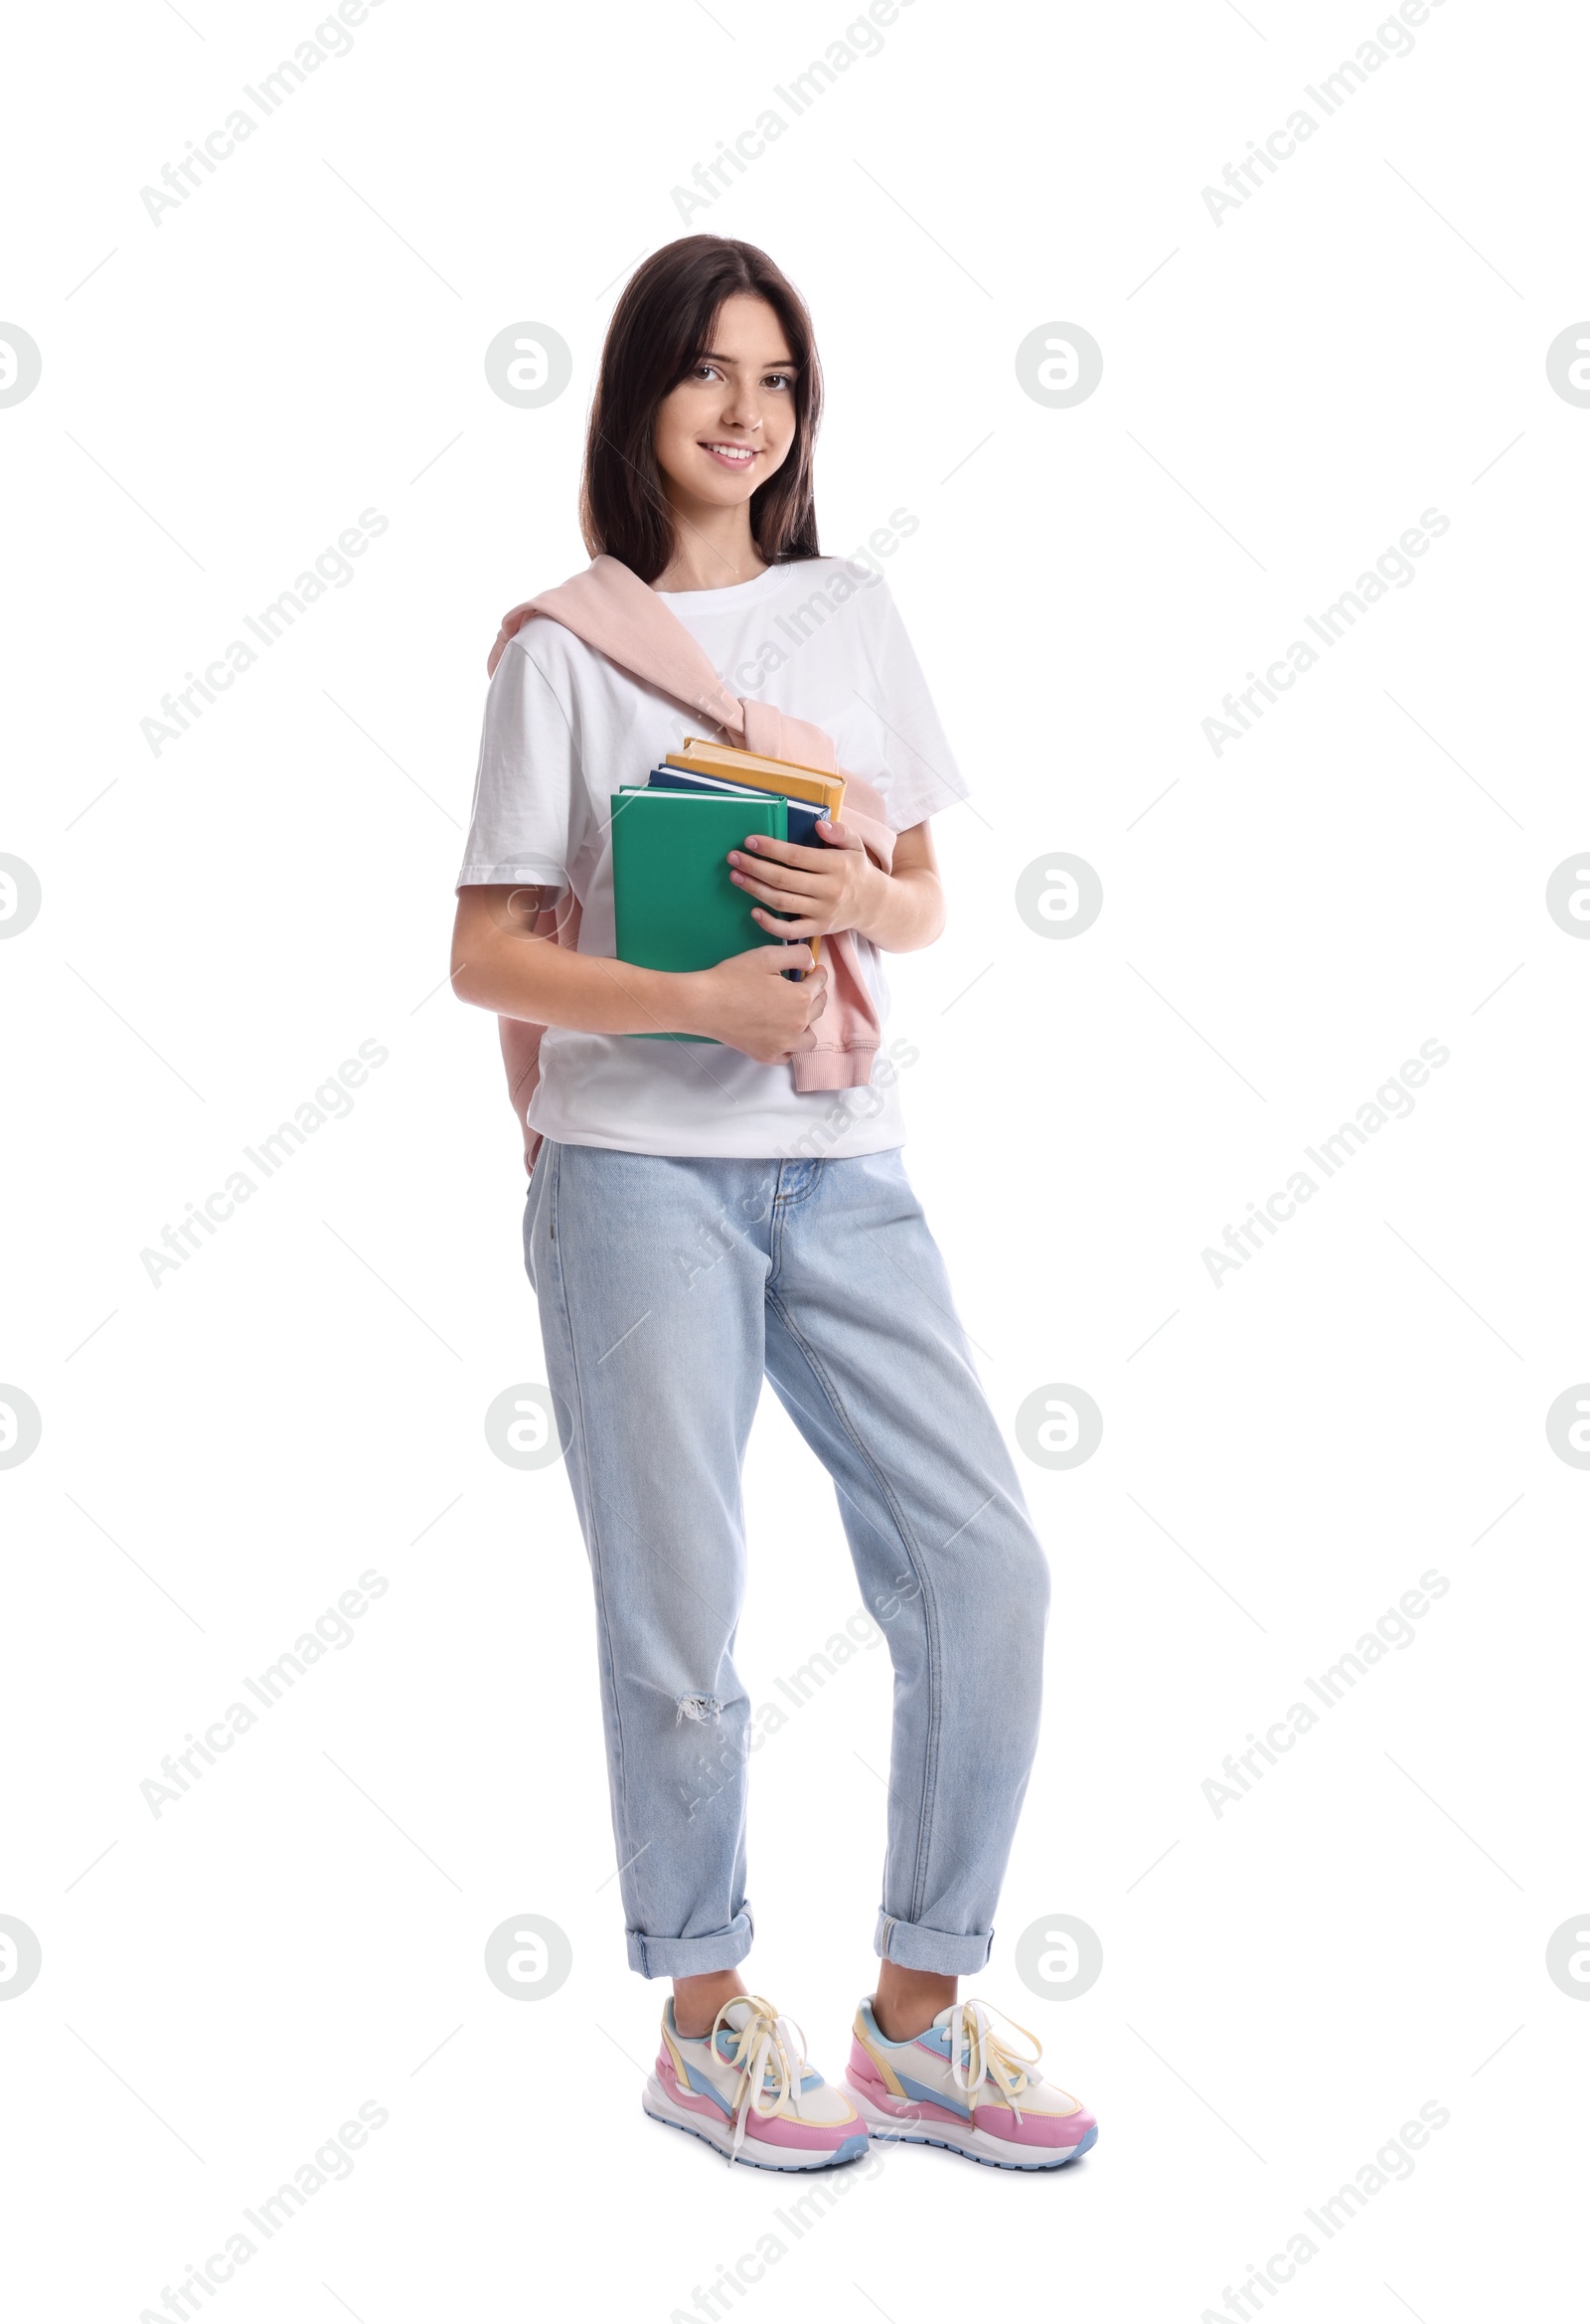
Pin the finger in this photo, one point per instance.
(770, 958)
(803, 876)
(784, 851)
(786, 900)
(788, 927)
(496, 654)
(836, 835)
(792, 889)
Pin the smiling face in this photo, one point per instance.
(729, 424)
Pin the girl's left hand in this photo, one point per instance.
(827, 889)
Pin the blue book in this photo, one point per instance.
(803, 819)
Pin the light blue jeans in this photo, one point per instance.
(667, 1287)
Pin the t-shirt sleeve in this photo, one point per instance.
(922, 776)
(526, 819)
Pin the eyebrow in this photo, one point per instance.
(778, 363)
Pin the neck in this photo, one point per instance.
(712, 547)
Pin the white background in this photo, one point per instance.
(1283, 395)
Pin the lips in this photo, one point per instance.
(730, 456)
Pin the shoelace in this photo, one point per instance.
(977, 2054)
(765, 2043)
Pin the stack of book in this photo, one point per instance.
(676, 907)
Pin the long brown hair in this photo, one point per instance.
(662, 323)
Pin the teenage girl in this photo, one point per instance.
(697, 1218)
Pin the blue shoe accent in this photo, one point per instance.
(924, 2096)
(703, 2089)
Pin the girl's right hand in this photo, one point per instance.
(748, 1003)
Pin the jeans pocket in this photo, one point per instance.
(540, 1205)
(533, 1195)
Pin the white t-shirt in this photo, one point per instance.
(566, 727)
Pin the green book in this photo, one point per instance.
(675, 906)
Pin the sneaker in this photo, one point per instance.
(959, 2085)
(747, 2089)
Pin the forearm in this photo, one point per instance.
(504, 960)
(539, 981)
(900, 912)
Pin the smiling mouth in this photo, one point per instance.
(732, 456)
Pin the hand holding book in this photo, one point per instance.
(813, 891)
(748, 1002)
(678, 904)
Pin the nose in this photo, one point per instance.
(739, 409)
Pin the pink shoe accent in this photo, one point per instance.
(760, 2129)
(863, 2076)
(681, 2093)
(1050, 2130)
(864, 2073)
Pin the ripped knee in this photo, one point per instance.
(705, 1709)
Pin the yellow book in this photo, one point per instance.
(760, 774)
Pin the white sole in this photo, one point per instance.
(978, 2146)
(721, 2135)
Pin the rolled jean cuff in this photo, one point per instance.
(692, 1956)
(911, 1946)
